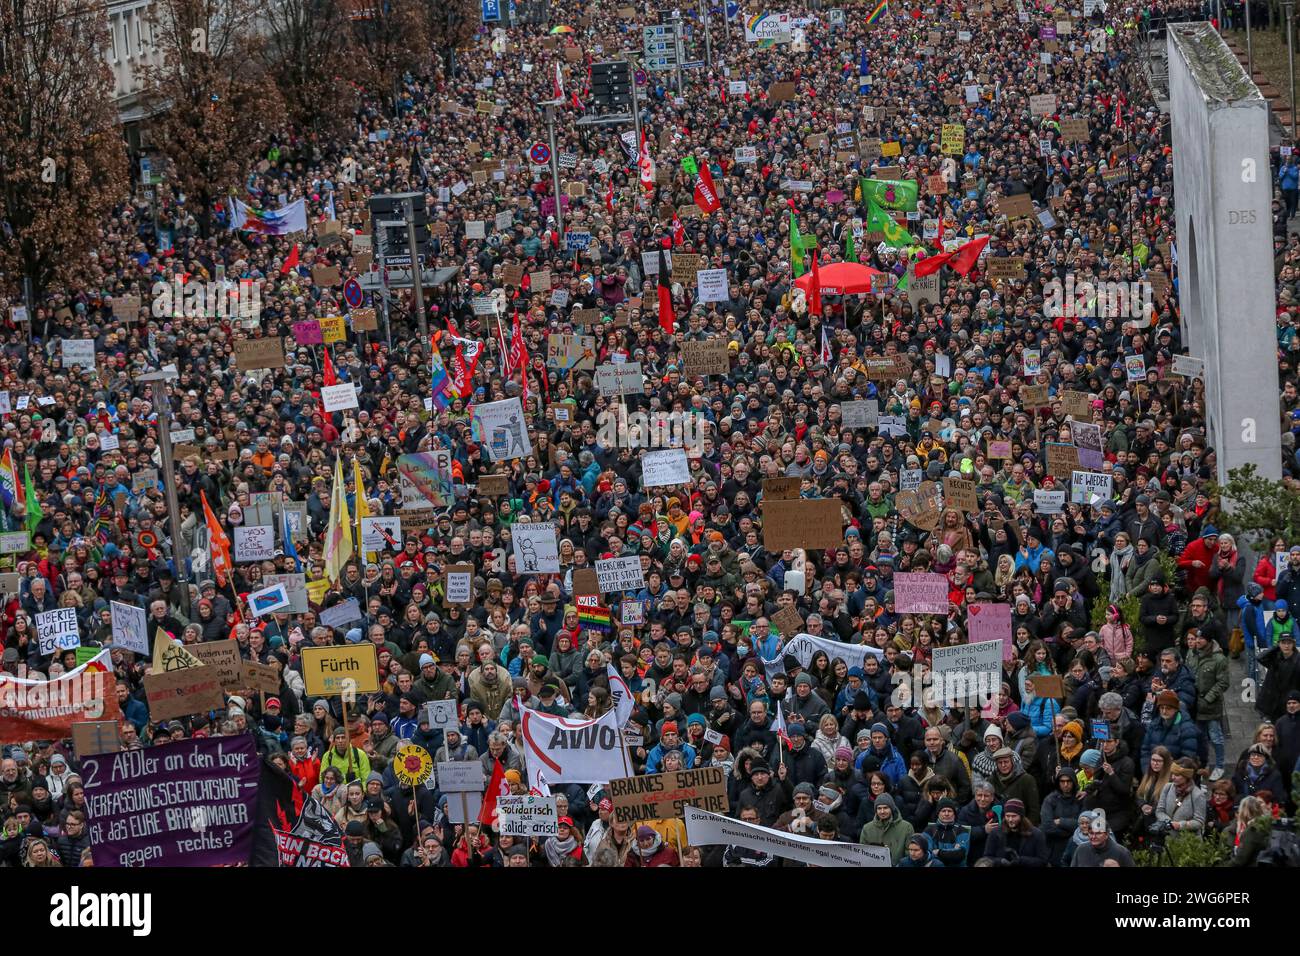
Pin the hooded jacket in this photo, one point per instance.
(1060, 814)
(1018, 785)
(951, 842)
(1210, 668)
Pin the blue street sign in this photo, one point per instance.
(491, 10)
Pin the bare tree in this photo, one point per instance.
(62, 157)
(392, 35)
(452, 24)
(306, 43)
(214, 107)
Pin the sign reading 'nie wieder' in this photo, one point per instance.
(186, 804)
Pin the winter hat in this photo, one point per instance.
(843, 752)
(796, 730)
(878, 727)
(696, 719)
(993, 731)
(1003, 752)
(863, 734)
(370, 851)
(861, 701)
(806, 788)
(888, 801)
(947, 803)
(644, 832)
(718, 693)
(1018, 720)
(1091, 758)
(1014, 806)
(355, 828)
(805, 679)
(669, 727)
(1167, 698)
(513, 776)
(759, 766)
(1074, 727)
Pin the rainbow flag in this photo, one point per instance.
(590, 613)
(270, 222)
(877, 13)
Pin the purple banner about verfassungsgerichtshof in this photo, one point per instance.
(183, 804)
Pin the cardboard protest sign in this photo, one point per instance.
(663, 796)
(95, 737)
(709, 357)
(353, 668)
(260, 677)
(1005, 267)
(1034, 396)
(1074, 130)
(180, 693)
(802, 523)
(780, 92)
(960, 493)
(781, 489)
(920, 592)
(259, 353)
(1077, 405)
(1018, 206)
(787, 621)
(586, 582)
(223, 657)
(1062, 460)
(493, 486)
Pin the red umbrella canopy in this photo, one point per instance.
(840, 278)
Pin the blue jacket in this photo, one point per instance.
(1288, 177)
(891, 764)
(1253, 625)
(1041, 712)
(951, 843)
(654, 760)
(1179, 735)
(1183, 683)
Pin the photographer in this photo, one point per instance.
(1182, 803)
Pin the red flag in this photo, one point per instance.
(963, 260)
(679, 232)
(932, 264)
(815, 292)
(497, 787)
(609, 197)
(557, 87)
(518, 356)
(329, 377)
(666, 318)
(218, 542)
(291, 262)
(706, 196)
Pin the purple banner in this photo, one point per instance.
(184, 804)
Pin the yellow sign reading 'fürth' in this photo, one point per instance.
(334, 670)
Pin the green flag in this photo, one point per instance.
(34, 512)
(880, 221)
(850, 250)
(896, 194)
(796, 248)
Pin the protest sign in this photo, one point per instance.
(268, 600)
(707, 829)
(571, 353)
(78, 353)
(999, 450)
(1089, 487)
(619, 574)
(1049, 502)
(381, 534)
(1062, 460)
(968, 671)
(425, 479)
(502, 428)
(959, 493)
(920, 592)
(711, 285)
(802, 523)
(620, 378)
(535, 547)
(1087, 439)
(709, 357)
(295, 587)
(342, 614)
(179, 693)
(224, 660)
(527, 816)
(95, 737)
(1188, 366)
(458, 579)
(130, 629)
(189, 804)
(442, 715)
(352, 668)
(864, 413)
(787, 620)
(259, 353)
(15, 542)
(781, 489)
(990, 621)
(1018, 206)
(1135, 368)
(263, 678)
(254, 542)
(663, 796)
(57, 630)
(664, 468)
(1077, 405)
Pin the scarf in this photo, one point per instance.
(646, 854)
(558, 850)
(1117, 560)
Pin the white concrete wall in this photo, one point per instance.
(130, 45)
(1223, 200)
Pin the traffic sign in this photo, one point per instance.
(539, 153)
(642, 78)
(491, 11)
(352, 293)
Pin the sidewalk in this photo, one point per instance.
(1242, 717)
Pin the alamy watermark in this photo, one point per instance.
(1098, 300)
(199, 298)
(976, 690)
(618, 429)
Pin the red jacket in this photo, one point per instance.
(1266, 576)
(1197, 577)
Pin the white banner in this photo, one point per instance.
(57, 630)
(1049, 502)
(802, 647)
(620, 378)
(254, 542)
(709, 829)
(567, 750)
(711, 284)
(620, 574)
(130, 627)
(536, 548)
(860, 414)
(667, 467)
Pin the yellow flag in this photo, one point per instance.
(362, 505)
(338, 536)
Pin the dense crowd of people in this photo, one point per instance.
(1132, 604)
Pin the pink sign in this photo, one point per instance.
(308, 333)
(990, 622)
(920, 593)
